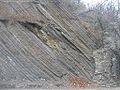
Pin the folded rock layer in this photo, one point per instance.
(43, 45)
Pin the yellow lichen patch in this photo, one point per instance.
(51, 42)
(46, 38)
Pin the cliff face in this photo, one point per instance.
(43, 45)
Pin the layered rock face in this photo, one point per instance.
(43, 45)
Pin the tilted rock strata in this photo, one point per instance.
(41, 42)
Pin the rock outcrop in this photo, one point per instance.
(43, 45)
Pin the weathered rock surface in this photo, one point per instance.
(43, 45)
(107, 60)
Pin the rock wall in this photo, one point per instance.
(43, 45)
